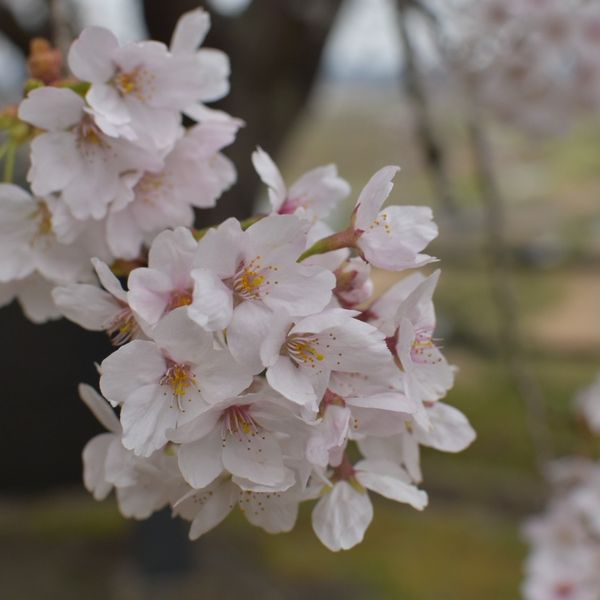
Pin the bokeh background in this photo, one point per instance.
(321, 81)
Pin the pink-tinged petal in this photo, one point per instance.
(393, 241)
(146, 416)
(173, 252)
(385, 308)
(51, 108)
(280, 237)
(212, 304)
(270, 175)
(450, 430)
(109, 281)
(54, 162)
(391, 481)
(200, 461)
(190, 31)
(219, 249)
(254, 455)
(341, 517)
(87, 305)
(248, 328)
(211, 506)
(296, 384)
(99, 407)
(373, 195)
(210, 136)
(182, 339)
(94, 460)
(135, 364)
(149, 293)
(90, 56)
(319, 190)
(274, 512)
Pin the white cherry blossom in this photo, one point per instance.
(167, 381)
(73, 156)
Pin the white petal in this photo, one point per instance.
(190, 31)
(91, 53)
(212, 305)
(245, 333)
(94, 460)
(87, 305)
(450, 430)
(296, 384)
(54, 162)
(149, 293)
(200, 461)
(182, 339)
(274, 512)
(342, 516)
(99, 407)
(212, 506)
(109, 281)
(394, 240)
(271, 177)
(373, 195)
(133, 365)
(51, 108)
(389, 480)
(255, 456)
(146, 417)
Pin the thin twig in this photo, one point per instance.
(432, 149)
(504, 295)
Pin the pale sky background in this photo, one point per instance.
(353, 50)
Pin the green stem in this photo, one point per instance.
(9, 165)
(335, 241)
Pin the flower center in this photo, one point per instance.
(88, 132)
(179, 298)
(150, 186)
(248, 280)
(303, 348)
(137, 82)
(122, 327)
(423, 350)
(43, 216)
(237, 418)
(179, 378)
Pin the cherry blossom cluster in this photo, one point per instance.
(111, 164)
(253, 365)
(535, 63)
(564, 559)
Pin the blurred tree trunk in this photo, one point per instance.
(275, 48)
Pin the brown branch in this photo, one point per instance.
(504, 296)
(432, 150)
